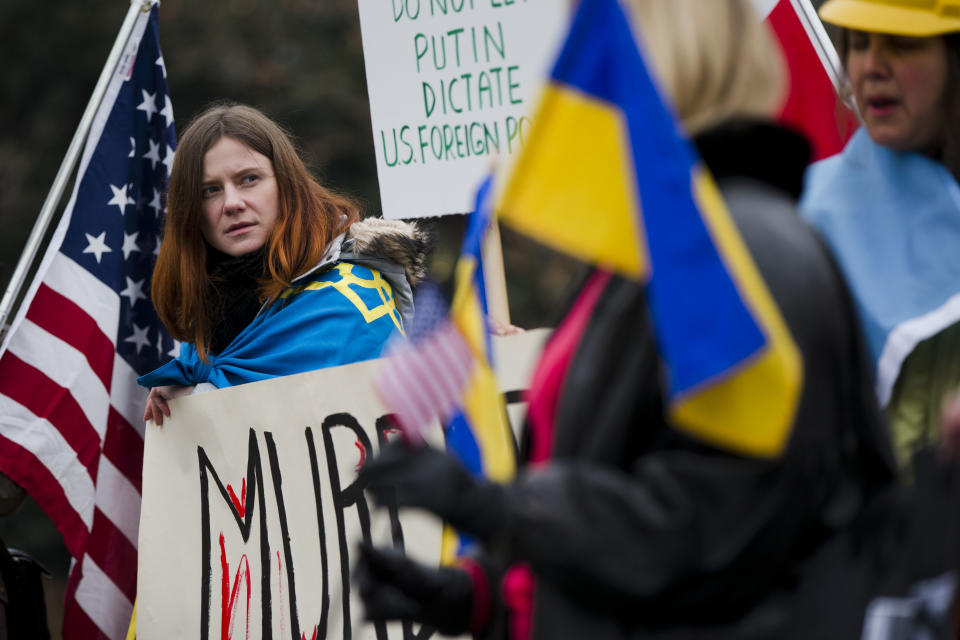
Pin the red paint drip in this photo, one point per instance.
(363, 454)
(303, 634)
(239, 505)
(224, 590)
(228, 603)
(243, 566)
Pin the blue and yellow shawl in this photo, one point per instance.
(344, 313)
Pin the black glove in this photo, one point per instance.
(393, 587)
(420, 476)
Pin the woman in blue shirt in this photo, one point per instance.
(889, 205)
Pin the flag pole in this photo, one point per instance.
(69, 163)
(821, 42)
(495, 280)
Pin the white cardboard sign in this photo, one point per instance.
(250, 514)
(450, 83)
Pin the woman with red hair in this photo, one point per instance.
(264, 272)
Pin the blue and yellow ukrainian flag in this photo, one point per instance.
(608, 176)
(479, 433)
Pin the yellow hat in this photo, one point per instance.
(898, 17)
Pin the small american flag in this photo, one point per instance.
(423, 378)
(448, 373)
(71, 431)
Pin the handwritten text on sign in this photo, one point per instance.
(450, 82)
(251, 512)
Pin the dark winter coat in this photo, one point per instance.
(635, 530)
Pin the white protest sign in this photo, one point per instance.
(451, 82)
(250, 514)
(514, 358)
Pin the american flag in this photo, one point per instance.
(423, 379)
(71, 428)
(448, 373)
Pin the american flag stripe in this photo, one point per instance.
(43, 397)
(412, 409)
(36, 440)
(456, 353)
(126, 396)
(100, 302)
(109, 547)
(447, 387)
(68, 321)
(35, 435)
(102, 601)
(119, 500)
(435, 357)
(123, 446)
(51, 489)
(71, 428)
(79, 623)
(65, 367)
(428, 402)
(425, 380)
(433, 396)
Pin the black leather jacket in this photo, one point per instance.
(635, 530)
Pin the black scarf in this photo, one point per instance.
(766, 151)
(234, 294)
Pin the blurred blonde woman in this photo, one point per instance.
(889, 205)
(731, 70)
(630, 527)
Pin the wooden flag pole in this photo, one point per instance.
(494, 277)
(69, 163)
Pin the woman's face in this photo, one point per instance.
(240, 198)
(900, 85)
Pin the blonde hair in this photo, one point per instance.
(715, 59)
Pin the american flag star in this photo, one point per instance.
(153, 154)
(120, 198)
(130, 243)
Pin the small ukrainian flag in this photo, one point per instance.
(479, 433)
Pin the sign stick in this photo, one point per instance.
(495, 281)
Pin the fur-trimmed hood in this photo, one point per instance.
(398, 250)
(404, 243)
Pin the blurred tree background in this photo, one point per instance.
(300, 61)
